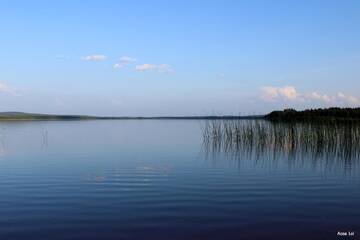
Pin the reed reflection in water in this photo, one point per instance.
(330, 144)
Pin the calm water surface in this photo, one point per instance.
(155, 179)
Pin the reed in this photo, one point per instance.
(330, 141)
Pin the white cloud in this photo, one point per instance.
(124, 61)
(320, 97)
(289, 93)
(161, 68)
(6, 88)
(348, 99)
(269, 93)
(94, 57)
(273, 93)
(145, 67)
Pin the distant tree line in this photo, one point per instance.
(320, 113)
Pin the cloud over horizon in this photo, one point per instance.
(290, 93)
(270, 93)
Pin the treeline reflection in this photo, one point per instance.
(329, 144)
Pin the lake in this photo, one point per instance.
(156, 179)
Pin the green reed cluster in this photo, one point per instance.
(327, 140)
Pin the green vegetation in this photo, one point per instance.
(332, 142)
(330, 135)
(315, 114)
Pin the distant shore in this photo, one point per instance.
(21, 116)
(319, 114)
(284, 115)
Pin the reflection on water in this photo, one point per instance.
(138, 179)
(44, 138)
(2, 141)
(327, 145)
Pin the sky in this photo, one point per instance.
(151, 58)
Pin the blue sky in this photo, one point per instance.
(178, 57)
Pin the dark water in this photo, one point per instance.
(157, 180)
